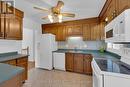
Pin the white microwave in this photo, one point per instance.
(118, 30)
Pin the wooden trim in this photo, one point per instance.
(104, 8)
(72, 22)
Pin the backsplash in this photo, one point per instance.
(78, 43)
(10, 46)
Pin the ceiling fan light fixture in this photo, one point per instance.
(60, 21)
(60, 18)
(50, 18)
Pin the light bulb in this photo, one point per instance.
(60, 17)
(50, 18)
(60, 21)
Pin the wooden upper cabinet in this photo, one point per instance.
(61, 33)
(111, 11)
(89, 29)
(46, 30)
(78, 63)
(11, 22)
(69, 62)
(123, 5)
(102, 30)
(69, 29)
(74, 30)
(95, 31)
(78, 29)
(13, 28)
(2, 21)
(86, 32)
(113, 8)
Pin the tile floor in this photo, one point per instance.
(55, 78)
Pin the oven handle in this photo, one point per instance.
(95, 68)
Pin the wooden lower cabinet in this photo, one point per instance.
(16, 81)
(87, 64)
(80, 63)
(11, 62)
(21, 62)
(69, 64)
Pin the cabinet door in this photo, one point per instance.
(86, 32)
(61, 33)
(23, 62)
(2, 26)
(47, 30)
(78, 29)
(102, 30)
(54, 30)
(13, 28)
(78, 63)
(69, 30)
(87, 64)
(123, 5)
(95, 31)
(59, 61)
(69, 62)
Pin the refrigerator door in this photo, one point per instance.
(46, 47)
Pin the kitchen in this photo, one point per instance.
(59, 44)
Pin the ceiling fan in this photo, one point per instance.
(55, 12)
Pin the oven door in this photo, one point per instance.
(97, 77)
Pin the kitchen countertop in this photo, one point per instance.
(95, 53)
(8, 71)
(10, 56)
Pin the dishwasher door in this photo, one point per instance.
(59, 61)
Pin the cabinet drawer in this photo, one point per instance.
(11, 62)
(22, 60)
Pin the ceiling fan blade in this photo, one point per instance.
(60, 4)
(44, 18)
(42, 9)
(68, 14)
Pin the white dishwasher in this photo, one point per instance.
(59, 61)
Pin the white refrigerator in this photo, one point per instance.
(46, 47)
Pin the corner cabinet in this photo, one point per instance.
(80, 63)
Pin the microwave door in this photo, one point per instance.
(109, 34)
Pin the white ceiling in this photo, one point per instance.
(82, 8)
